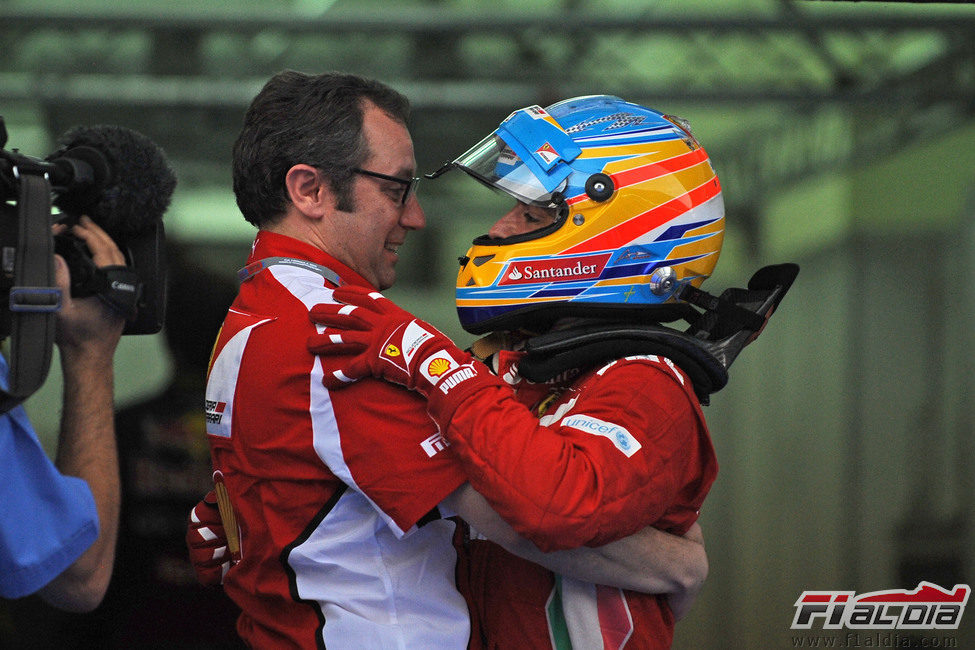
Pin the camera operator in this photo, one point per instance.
(58, 530)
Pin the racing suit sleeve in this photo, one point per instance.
(611, 461)
(650, 561)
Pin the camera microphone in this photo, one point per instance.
(117, 176)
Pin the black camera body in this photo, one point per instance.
(142, 298)
(122, 181)
(144, 255)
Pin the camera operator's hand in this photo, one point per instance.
(88, 322)
(88, 331)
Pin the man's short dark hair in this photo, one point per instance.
(311, 119)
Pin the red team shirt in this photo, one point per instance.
(332, 489)
(328, 487)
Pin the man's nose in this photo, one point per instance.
(505, 226)
(498, 230)
(413, 217)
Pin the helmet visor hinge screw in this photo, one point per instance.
(599, 187)
(662, 281)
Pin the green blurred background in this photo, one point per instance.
(844, 136)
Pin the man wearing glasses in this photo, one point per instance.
(343, 541)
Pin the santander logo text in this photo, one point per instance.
(574, 268)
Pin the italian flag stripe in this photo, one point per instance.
(557, 630)
(583, 616)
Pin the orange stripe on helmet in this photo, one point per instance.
(647, 221)
(652, 170)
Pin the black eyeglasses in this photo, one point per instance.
(409, 184)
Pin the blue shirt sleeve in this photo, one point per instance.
(47, 520)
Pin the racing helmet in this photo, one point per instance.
(639, 214)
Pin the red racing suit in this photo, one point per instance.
(331, 489)
(633, 450)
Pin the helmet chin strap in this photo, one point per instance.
(705, 351)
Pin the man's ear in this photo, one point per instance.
(309, 191)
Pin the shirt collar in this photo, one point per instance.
(271, 244)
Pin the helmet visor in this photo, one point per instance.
(496, 164)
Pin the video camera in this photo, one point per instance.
(120, 179)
